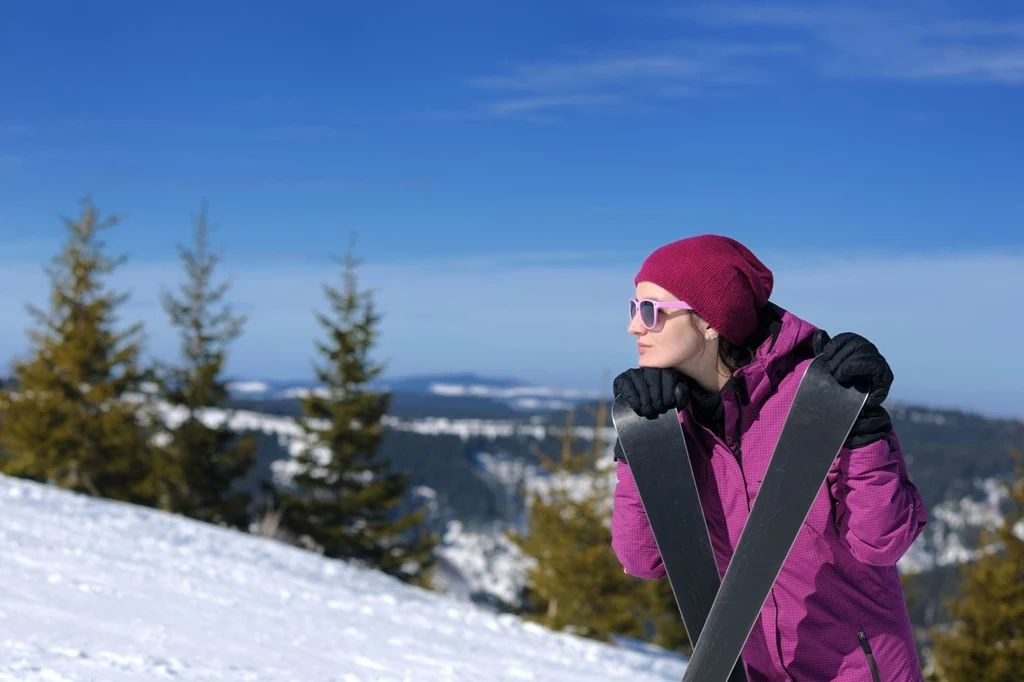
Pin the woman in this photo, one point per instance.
(711, 344)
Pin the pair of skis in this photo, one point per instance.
(720, 613)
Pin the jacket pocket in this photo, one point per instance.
(866, 646)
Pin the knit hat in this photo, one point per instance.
(717, 276)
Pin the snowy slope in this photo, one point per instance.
(97, 590)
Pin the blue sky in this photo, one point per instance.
(530, 155)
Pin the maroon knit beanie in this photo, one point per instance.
(719, 277)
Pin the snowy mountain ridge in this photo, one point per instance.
(520, 395)
(941, 543)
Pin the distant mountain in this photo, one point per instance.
(424, 383)
(269, 388)
(503, 391)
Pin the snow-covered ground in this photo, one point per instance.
(98, 590)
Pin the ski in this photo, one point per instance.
(655, 451)
(817, 425)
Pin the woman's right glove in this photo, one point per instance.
(652, 391)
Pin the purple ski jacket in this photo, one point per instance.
(838, 602)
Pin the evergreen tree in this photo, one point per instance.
(202, 465)
(667, 623)
(73, 416)
(912, 594)
(577, 583)
(344, 498)
(985, 643)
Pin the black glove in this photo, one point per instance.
(853, 360)
(652, 391)
(872, 425)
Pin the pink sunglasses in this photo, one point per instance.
(649, 310)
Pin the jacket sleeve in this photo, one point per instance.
(632, 537)
(879, 512)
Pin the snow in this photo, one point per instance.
(288, 428)
(503, 470)
(248, 387)
(511, 392)
(99, 590)
(487, 562)
(300, 393)
(942, 541)
(525, 397)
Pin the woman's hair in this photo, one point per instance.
(732, 355)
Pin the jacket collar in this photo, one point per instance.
(782, 340)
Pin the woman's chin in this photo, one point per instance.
(649, 360)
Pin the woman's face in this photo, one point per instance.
(674, 341)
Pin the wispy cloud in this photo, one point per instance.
(913, 41)
(703, 62)
(525, 106)
(624, 79)
(563, 320)
(756, 44)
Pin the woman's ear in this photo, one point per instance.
(710, 334)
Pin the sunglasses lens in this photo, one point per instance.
(632, 309)
(648, 313)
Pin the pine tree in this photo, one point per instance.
(73, 416)
(203, 464)
(669, 631)
(986, 640)
(344, 499)
(577, 583)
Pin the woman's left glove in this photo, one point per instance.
(852, 359)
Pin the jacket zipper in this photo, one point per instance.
(870, 656)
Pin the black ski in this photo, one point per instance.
(655, 450)
(818, 423)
